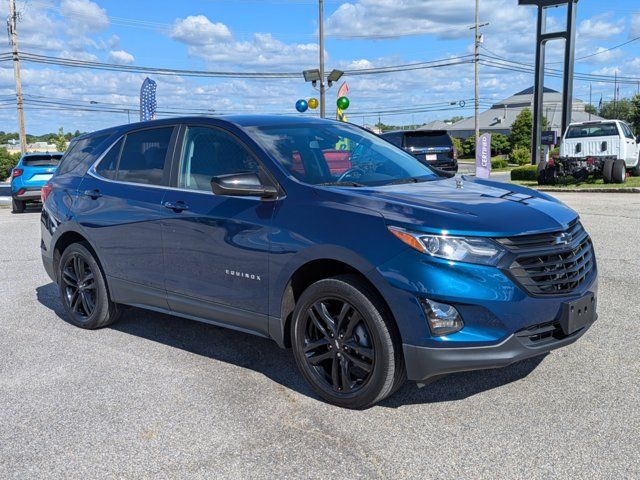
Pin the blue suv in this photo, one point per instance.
(319, 235)
(28, 177)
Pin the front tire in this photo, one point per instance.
(17, 206)
(619, 171)
(345, 344)
(83, 289)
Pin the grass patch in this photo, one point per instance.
(569, 183)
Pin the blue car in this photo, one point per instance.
(28, 177)
(329, 240)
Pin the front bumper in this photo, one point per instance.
(424, 363)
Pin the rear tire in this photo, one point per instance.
(607, 170)
(345, 344)
(83, 289)
(17, 206)
(619, 171)
(635, 171)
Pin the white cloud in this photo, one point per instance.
(214, 43)
(121, 57)
(199, 30)
(84, 15)
(600, 28)
(635, 25)
(449, 19)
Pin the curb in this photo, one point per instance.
(5, 201)
(590, 190)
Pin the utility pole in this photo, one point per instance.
(13, 34)
(477, 71)
(590, 103)
(323, 105)
(615, 94)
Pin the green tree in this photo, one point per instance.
(469, 146)
(7, 162)
(521, 130)
(635, 113)
(591, 109)
(60, 141)
(500, 144)
(619, 110)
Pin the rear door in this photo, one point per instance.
(216, 248)
(120, 208)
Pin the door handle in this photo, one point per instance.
(93, 194)
(176, 207)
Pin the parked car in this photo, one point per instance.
(369, 265)
(28, 177)
(431, 147)
(604, 149)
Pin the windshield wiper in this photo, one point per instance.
(341, 184)
(402, 181)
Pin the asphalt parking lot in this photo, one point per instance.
(160, 397)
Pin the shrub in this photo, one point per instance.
(520, 156)
(528, 172)
(497, 163)
(457, 143)
(7, 162)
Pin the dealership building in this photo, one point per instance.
(500, 117)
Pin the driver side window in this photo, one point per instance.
(210, 152)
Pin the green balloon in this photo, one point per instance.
(343, 103)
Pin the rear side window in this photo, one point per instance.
(428, 140)
(108, 167)
(81, 152)
(41, 160)
(142, 157)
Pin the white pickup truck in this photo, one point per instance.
(606, 149)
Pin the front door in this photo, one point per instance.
(216, 248)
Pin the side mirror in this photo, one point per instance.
(242, 185)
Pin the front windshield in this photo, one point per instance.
(339, 154)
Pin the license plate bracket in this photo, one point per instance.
(578, 313)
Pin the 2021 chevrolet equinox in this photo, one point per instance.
(323, 237)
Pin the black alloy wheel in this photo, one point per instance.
(79, 286)
(83, 289)
(338, 345)
(346, 344)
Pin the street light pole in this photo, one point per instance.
(323, 110)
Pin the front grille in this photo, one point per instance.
(552, 264)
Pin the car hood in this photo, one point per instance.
(465, 206)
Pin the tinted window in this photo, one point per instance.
(598, 130)
(209, 152)
(80, 152)
(41, 160)
(395, 138)
(328, 153)
(143, 156)
(109, 164)
(427, 140)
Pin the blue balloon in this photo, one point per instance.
(302, 106)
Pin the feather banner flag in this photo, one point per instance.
(148, 103)
(342, 92)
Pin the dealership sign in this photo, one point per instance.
(483, 156)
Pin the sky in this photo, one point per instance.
(282, 36)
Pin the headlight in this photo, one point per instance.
(478, 250)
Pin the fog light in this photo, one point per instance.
(443, 319)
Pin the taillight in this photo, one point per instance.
(16, 172)
(46, 190)
(552, 162)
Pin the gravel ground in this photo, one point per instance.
(161, 397)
